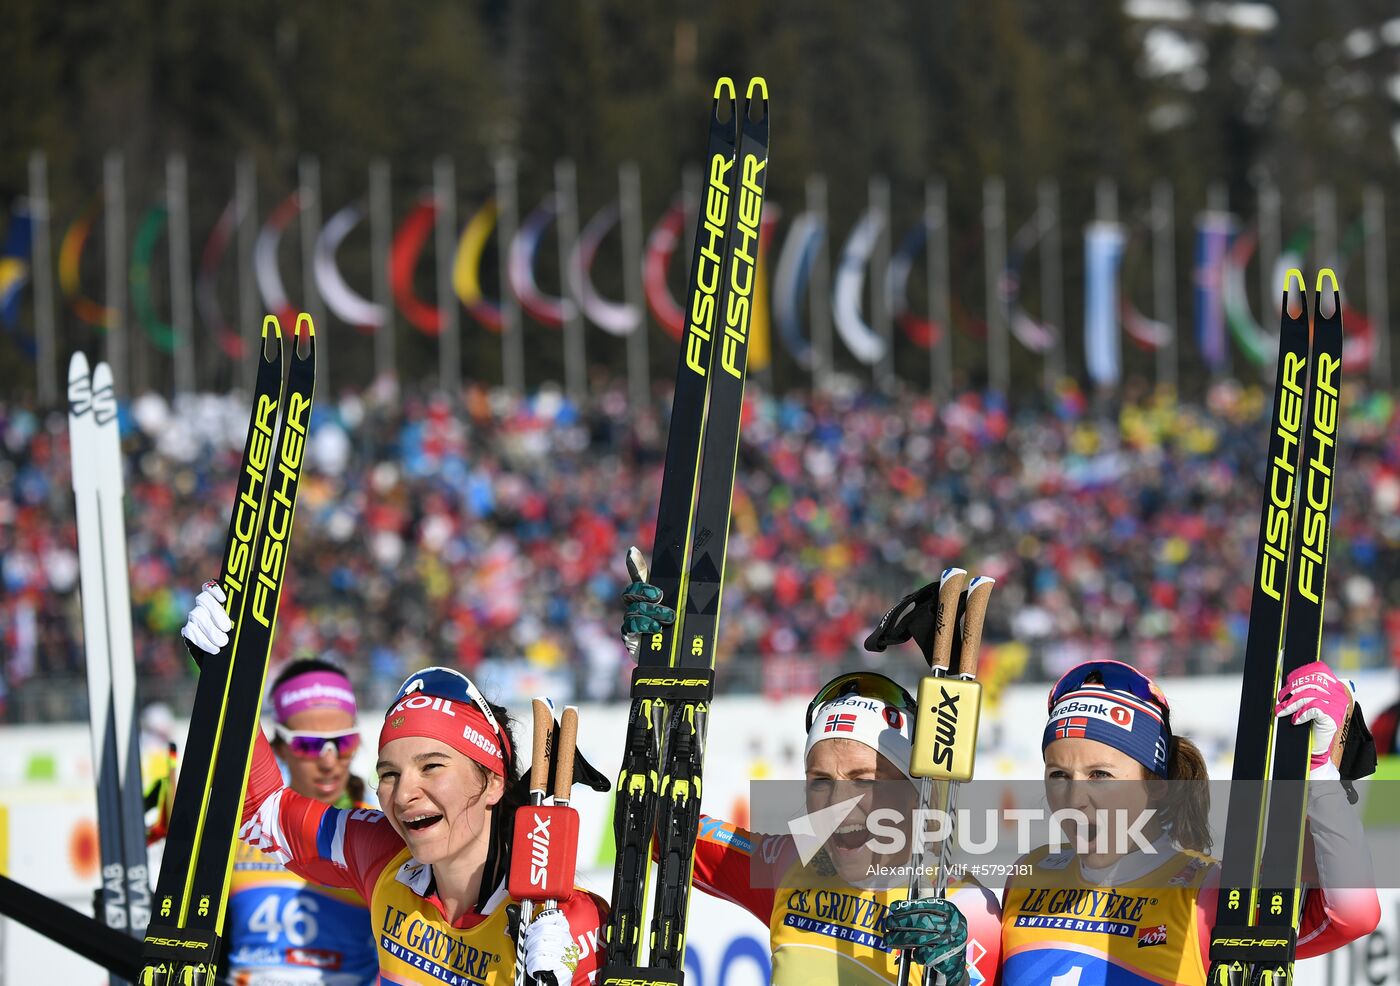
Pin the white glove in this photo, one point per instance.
(551, 956)
(208, 625)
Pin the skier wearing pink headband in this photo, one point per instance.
(432, 864)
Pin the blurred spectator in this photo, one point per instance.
(490, 527)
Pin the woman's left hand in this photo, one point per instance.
(550, 953)
(1314, 694)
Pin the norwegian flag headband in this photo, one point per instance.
(886, 728)
(1117, 719)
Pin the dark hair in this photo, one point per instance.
(513, 796)
(1186, 808)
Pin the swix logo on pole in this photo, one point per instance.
(945, 738)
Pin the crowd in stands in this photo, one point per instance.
(436, 530)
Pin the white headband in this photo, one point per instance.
(868, 721)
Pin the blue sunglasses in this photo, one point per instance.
(454, 686)
(1113, 675)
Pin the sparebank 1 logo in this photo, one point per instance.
(810, 831)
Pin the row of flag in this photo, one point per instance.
(864, 294)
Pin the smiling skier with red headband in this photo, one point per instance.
(433, 863)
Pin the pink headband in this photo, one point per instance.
(313, 690)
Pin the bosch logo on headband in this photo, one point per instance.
(480, 741)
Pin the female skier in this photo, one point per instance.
(433, 862)
(839, 927)
(283, 928)
(1115, 913)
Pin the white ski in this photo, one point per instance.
(98, 495)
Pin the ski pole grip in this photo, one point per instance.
(564, 755)
(539, 752)
(637, 567)
(979, 593)
(950, 587)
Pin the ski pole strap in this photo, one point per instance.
(911, 618)
(674, 684)
(1357, 755)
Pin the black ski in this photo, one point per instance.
(1255, 935)
(182, 942)
(634, 813)
(679, 696)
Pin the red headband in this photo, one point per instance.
(460, 726)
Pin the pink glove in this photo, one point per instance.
(1315, 695)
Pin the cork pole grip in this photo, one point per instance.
(539, 752)
(568, 740)
(979, 593)
(946, 617)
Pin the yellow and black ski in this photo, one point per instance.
(182, 941)
(1256, 930)
(660, 781)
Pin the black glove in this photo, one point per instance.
(910, 618)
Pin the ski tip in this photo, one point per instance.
(1294, 272)
(761, 84)
(78, 366)
(1328, 274)
(724, 83)
(271, 327)
(303, 319)
(101, 378)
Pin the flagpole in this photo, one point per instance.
(1218, 202)
(629, 186)
(41, 266)
(245, 192)
(309, 222)
(575, 358)
(819, 289)
(1051, 297)
(878, 191)
(1106, 211)
(939, 301)
(1325, 221)
(181, 301)
(1164, 280)
(512, 342)
(380, 233)
(445, 231)
(1377, 302)
(120, 347)
(1269, 236)
(994, 256)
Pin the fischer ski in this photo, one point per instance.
(124, 898)
(182, 942)
(1255, 936)
(659, 783)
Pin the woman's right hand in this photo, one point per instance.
(644, 614)
(206, 630)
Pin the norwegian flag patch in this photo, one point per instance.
(1071, 728)
(842, 722)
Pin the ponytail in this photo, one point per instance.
(1186, 807)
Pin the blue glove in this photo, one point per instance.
(935, 932)
(644, 614)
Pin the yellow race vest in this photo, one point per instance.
(1059, 929)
